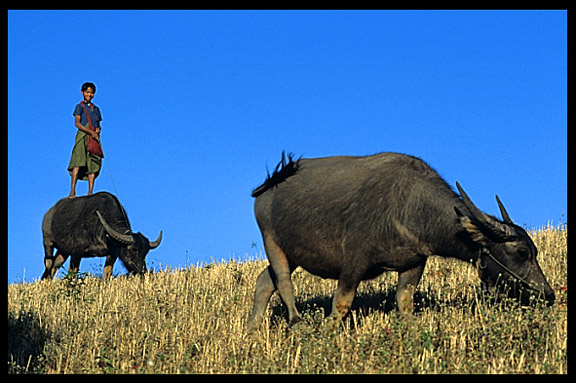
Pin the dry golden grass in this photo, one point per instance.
(193, 321)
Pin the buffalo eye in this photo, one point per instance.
(523, 254)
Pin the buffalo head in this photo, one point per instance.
(506, 254)
(134, 249)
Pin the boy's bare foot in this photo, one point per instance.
(71, 196)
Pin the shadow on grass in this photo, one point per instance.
(366, 302)
(26, 341)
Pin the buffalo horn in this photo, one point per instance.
(156, 243)
(497, 228)
(124, 238)
(504, 213)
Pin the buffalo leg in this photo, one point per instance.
(108, 266)
(48, 271)
(48, 260)
(53, 264)
(282, 270)
(74, 266)
(265, 287)
(407, 282)
(344, 296)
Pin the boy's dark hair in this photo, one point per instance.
(87, 85)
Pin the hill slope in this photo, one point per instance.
(193, 320)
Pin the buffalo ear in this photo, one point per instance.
(475, 233)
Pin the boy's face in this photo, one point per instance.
(88, 94)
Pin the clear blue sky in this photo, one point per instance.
(197, 105)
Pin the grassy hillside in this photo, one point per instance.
(193, 320)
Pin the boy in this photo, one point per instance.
(83, 165)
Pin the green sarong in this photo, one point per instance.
(87, 163)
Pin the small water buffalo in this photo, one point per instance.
(353, 218)
(92, 226)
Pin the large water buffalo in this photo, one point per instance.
(353, 218)
(92, 226)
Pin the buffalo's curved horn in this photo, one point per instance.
(156, 243)
(497, 228)
(124, 238)
(505, 216)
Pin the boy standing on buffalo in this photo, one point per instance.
(83, 165)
